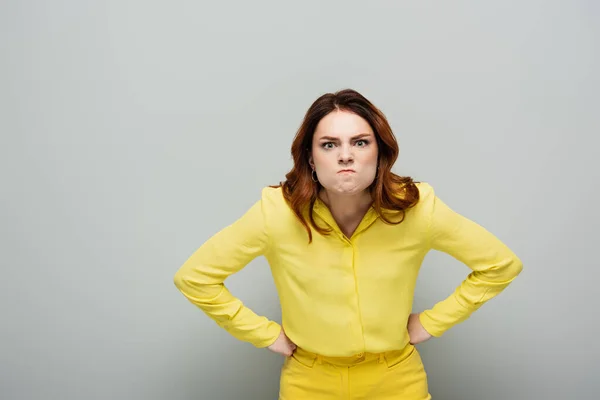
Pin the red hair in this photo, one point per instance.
(388, 191)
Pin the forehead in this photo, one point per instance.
(342, 124)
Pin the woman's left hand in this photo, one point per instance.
(416, 332)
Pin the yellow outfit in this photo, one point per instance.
(345, 297)
(392, 375)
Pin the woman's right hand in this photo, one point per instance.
(283, 345)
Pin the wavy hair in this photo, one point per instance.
(389, 191)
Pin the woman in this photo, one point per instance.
(345, 238)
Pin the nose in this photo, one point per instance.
(345, 156)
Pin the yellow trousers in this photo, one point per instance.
(394, 375)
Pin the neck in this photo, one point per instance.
(347, 207)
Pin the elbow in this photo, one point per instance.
(195, 285)
(188, 285)
(503, 272)
(516, 267)
(180, 280)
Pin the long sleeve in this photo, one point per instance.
(200, 279)
(494, 266)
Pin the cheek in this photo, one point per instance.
(323, 160)
(370, 158)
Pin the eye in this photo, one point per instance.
(327, 145)
(361, 143)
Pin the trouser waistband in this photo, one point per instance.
(391, 357)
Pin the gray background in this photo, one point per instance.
(134, 130)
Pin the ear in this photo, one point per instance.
(311, 161)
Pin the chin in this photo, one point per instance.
(347, 192)
(347, 188)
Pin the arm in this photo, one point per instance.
(200, 279)
(494, 266)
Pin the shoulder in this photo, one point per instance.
(426, 198)
(272, 201)
(414, 190)
(426, 191)
(272, 196)
(278, 215)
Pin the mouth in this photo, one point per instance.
(346, 171)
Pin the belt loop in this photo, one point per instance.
(319, 359)
(381, 358)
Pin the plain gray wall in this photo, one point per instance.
(134, 130)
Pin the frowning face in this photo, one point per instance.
(344, 153)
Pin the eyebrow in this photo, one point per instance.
(359, 136)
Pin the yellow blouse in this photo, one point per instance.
(344, 296)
